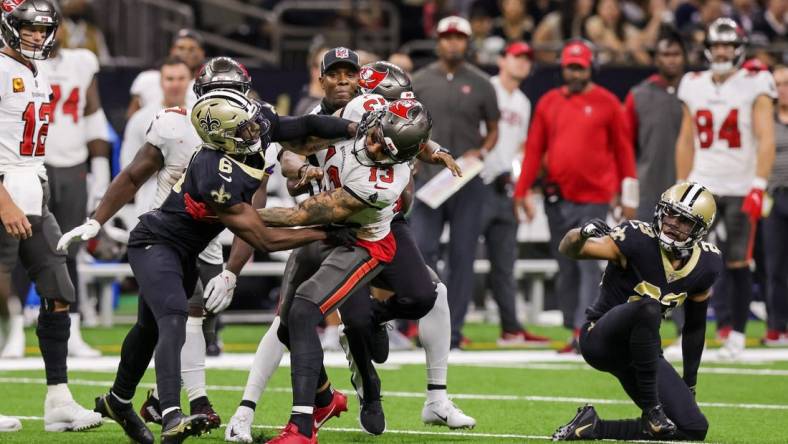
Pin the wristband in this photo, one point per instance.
(630, 192)
(759, 183)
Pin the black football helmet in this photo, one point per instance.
(29, 13)
(222, 73)
(386, 79)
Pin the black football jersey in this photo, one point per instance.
(649, 273)
(212, 179)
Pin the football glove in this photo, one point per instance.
(219, 291)
(594, 228)
(86, 231)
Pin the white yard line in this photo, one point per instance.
(420, 395)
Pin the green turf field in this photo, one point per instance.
(524, 402)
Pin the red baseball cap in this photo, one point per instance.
(519, 48)
(576, 53)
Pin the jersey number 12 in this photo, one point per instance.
(28, 146)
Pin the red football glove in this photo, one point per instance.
(753, 203)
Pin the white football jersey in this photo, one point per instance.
(147, 87)
(25, 113)
(725, 146)
(378, 187)
(70, 73)
(512, 130)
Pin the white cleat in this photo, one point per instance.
(77, 348)
(15, 341)
(733, 347)
(239, 429)
(445, 413)
(67, 415)
(8, 424)
(673, 352)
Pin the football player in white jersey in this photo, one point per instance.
(77, 131)
(726, 143)
(364, 178)
(165, 154)
(28, 30)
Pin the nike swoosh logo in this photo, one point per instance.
(579, 430)
(227, 179)
(319, 424)
(443, 418)
(380, 188)
(232, 433)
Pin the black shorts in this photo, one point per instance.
(45, 265)
(733, 230)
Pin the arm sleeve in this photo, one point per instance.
(534, 150)
(631, 115)
(693, 337)
(622, 145)
(292, 128)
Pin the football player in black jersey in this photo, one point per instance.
(652, 269)
(215, 192)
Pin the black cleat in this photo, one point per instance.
(124, 415)
(657, 424)
(213, 349)
(371, 417)
(180, 427)
(151, 410)
(379, 343)
(582, 426)
(205, 408)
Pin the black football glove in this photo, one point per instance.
(341, 235)
(594, 228)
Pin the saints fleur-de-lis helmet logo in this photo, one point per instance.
(208, 123)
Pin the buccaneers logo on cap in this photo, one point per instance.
(369, 78)
(402, 107)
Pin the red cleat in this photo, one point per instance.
(290, 435)
(723, 332)
(335, 408)
(522, 338)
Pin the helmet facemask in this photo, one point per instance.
(370, 128)
(684, 223)
(248, 134)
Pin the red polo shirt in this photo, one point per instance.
(582, 141)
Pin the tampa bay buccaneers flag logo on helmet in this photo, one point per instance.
(9, 5)
(402, 107)
(370, 78)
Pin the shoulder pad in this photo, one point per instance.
(171, 123)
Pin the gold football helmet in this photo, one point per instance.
(690, 201)
(227, 120)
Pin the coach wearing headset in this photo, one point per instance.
(459, 97)
(579, 133)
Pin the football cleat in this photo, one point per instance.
(8, 424)
(371, 417)
(132, 425)
(657, 424)
(290, 435)
(239, 429)
(445, 413)
(151, 410)
(582, 426)
(214, 421)
(733, 346)
(64, 415)
(334, 409)
(521, 338)
(180, 427)
(379, 343)
(775, 338)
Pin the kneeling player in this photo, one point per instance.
(652, 269)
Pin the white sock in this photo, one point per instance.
(437, 395)
(16, 327)
(58, 392)
(302, 409)
(74, 334)
(435, 336)
(168, 410)
(266, 361)
(193, 359)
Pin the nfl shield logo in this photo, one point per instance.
(341, 53)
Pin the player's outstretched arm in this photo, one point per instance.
(693, 336)
(685, 146)
(591, 242)
(437, 155)
(244, 222)
(325, 208)
(146, 163)
(301, 127)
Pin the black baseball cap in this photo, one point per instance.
(186, 33)
(339, 55)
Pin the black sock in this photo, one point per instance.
(324, 397)
(209, 328)
(53, 331)
(197, 403)
(357, 342)
(436, 387)
(644, 349)
(246, 403)
(625, 429)
(135, 355)
(741, 290)
(172, 335)
(304, 422)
